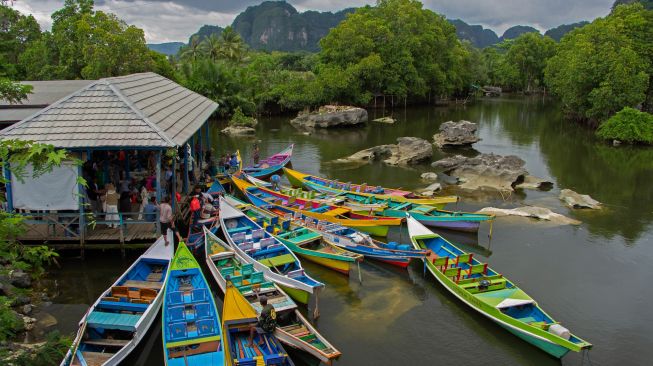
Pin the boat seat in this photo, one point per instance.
(203, 310)
(477, 269)
(175, 297)
(101, 319)
(257, 234)
(123, 306)
(110, 298)
(241, 229)
(453, 273)
(237, 280)
(177, 331)
(107, 342)
(227, 271)
(247, 269)
(527, 320)
(441, 262)
(256, 277)
(147, 294)
(176, 314)
(120, 291)
(205, 327)
(198, 294)
(463, 259)
(278, 261)
(476, 279)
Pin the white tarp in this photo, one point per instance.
(55, 190)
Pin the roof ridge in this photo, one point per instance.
(140, 113)
(40, 111)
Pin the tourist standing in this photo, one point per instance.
(165, 217)
(112, 198)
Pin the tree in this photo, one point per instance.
(414, 51)
(528, 55)
(628, 125)
(13, 92)
(605, 66)
(16, 32)
(193, 51)
(233, 47)
(212, 47)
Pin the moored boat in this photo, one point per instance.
(375, 225)
(195, 239)
(191, 323)
(292, 328)
(121, 316)
(305, 242)
(270, 165)
(299, 179)
(238, 316)
(492, 295)
(267, 254)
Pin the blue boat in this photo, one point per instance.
(270, 165)
(121, 316)
(191, 329)
(345, 237)
(195, 239)
(268, 255)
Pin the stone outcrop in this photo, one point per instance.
(576, 200)
(238, 131)
(531, 211)
(430, 190)
(531, 182)
(407, 151)
(331, 116)
(461, 133)
(385, 120)
(485, 170)
(429, 176)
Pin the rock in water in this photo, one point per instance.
(238, 131)
(430, 190)
(485, 170)
(331, 116)
(462, 133)
(531, 211)
(429, 176)
(576, 200)
(408, 150)
(531, 182)
(385, 120)
(20, 279)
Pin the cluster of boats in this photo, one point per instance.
(331, 223)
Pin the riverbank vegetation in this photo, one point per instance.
(393, 53)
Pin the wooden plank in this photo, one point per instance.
(143, 284)
(96, 358)
(107, 342)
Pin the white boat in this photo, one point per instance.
(119, 319)
(292, 328)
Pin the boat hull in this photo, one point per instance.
(334, 264)
(444, 222)
(298, 295)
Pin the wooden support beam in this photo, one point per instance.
(159, 183)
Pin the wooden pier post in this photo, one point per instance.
(158, 188)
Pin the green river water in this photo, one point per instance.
(595, 278)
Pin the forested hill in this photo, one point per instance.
(558, 32)
(648, 4)
(168, 48)
(477, 35)
(516, 31)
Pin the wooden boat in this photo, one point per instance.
(223, 175)
(491, 294)
(270, 165)
(191, 323)
(267, 254)
(238, 316)
(374, 225)
(303, 241)
(298, 179)
(195, 238)
(121, 316)
(427, 215)
(292, 328)
(348, 238)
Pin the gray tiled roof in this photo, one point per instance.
(138, 110)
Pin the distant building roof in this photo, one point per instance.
(138, 110)
(43, 94)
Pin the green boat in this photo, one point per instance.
(491, 294)
(305, 242)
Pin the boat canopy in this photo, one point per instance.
(227, 211)
(508, 303)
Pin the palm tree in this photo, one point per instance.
(212, 46)
(193, 50)
(233, 47)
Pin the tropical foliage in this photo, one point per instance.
(628, 125)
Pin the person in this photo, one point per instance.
(267, 321)
(256, 154)
(143, 200)
(168, 179)
(165, 217)
(195, 208)
(150, 209)
(92, 192)
(233, 163)
(275, 180)
(111, 202)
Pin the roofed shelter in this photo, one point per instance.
(138, 112)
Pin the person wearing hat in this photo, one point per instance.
(267, 321)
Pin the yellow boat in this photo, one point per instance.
(299, 179)
(261, 197)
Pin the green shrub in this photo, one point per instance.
(10, 324)
(628, 125)
(240, 119)
(50, 353)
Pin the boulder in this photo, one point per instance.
(531, 211)
(429, 176)
(29, 323)
(385, 120)
(531, 182)
(46, 320)
(26, 309)
(485, 170)
(407, 151)
(20, 279)
(331, 116)
(461, 133)
(238, 131)
(576, 200)
(20, 300)
(430, 190)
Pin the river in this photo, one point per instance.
(594, 278)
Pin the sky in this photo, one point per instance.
(176, 20)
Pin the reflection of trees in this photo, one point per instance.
(619, 177)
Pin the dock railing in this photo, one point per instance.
(69, 227)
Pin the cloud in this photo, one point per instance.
(176, 20)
